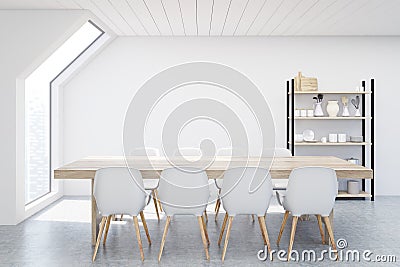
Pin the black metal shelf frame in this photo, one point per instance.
(290, 126)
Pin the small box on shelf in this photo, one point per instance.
(305, 84)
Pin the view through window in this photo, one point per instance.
(38, 107)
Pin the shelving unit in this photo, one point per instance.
(331, 144)
(331, 118)
(331, 92)
(362, 120)
(344, 194)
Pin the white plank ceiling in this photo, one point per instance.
(235, 17)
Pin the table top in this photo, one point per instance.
(151, 167)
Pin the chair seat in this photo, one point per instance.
(150, 184)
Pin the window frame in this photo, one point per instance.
(50, 139)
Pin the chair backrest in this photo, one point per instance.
(225, 151)
(246, 190)
(143, 151)
(229, 151)
(183, 191)
(188, 151)
(311, 190)
(282, 152)
(119, 190)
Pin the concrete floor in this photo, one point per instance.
(60, 236)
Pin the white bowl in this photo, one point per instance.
(298, 138)
(356, 139)
(308, 135)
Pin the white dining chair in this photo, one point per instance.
(192, 154)
(119, 190)
(311, 190)
(278, 184)
(150, 184)
(184, 192)
(246, 190)
(189, 152)
(225, 152)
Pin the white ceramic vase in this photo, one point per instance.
(357, 113)
(332, 108)
(318, 110)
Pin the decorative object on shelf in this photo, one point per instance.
(360, 88)
(310, 113)
(332, 108)
(356, 104)
(356, 139)
(308, 135)
(297, 112)
(317, 105)
(342, 138)
(353, 160)
(298, 138)
(303, 113)
(323, 139)
(305, 83)
(332, 138)
(353, 187)
(345, 102)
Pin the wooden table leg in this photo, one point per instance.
(327, 240)
(95, 217)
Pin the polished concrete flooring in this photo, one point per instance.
(60, 236)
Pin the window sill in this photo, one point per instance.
(40, 204)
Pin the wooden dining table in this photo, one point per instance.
(151, 167)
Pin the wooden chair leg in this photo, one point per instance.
(205, 230)
(282, 227)
(203, 235)
(292, 233)
(102, 223)
(264, 232)
(331, 237)
(205, 216)
(321, 229)
(109, 218)
(217, 206)
(122, 215)
(145, 226)
(228, 232)
(155, 203)
(158, 200)
(135, 220)
(252, 217)
(163, 237)
(221, 234)
(218, 203)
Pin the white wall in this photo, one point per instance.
(95, 101)
(28, 37)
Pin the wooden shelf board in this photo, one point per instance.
(361, 194)
(331, 118)
(330, 92)
(331, 144)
